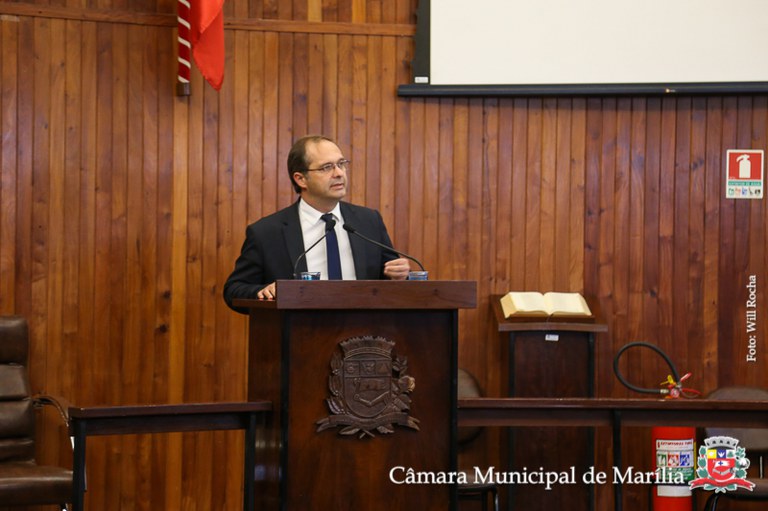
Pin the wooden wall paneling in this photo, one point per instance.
(178, 176)
(40, 186)
(213, 445)
(232, 378)
(300, 9)
(443, 189)
(133, 173)
(603, 240)
(458, 251)
(343, 129)
(616, 145)
(667, 171)
(9, 145)
(201, 331)
(517, 244)
(388, 128)
(358, 12)
(741, 267)
(728, 324)
(369, 65)
(120, 272)
(428, 219)
(593, 221)
(416, 166)
(357, 123)
(159, 171)
(373, 11)
(501, 157)
(255, 175)
(490, 218)
(382, 80)
(578, 185)
(648, 226)
(285, 117)
(635, 174)
(147, 249)
(316, 79)
(24, 137)
(743, 237)
(329, 70)
(72, 125)
(329, 10)
(343, 9)
(272, 86)
(58, 203)
(755, 371)
(682, 199)
(626, 271)
(560, 195)
(398, 224)
(302, 79)
(547, 156)
(246, 170)
(696, 242)
(530, 210)
(704, 378)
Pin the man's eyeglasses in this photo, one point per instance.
(328, 167)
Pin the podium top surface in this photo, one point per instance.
(369, 294)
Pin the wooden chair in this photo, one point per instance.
(22, 480)
(467, 387)
(755, 441)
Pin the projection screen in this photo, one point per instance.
(591, 46)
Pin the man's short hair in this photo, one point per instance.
(297, 156)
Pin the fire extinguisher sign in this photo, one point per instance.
(744, 174)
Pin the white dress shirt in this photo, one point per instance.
(312, 229)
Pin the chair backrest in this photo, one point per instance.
(467, 387)
(17, 416)
(749, 438)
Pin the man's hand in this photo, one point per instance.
(397, 269)
(267, 292)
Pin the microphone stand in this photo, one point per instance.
(352, 230)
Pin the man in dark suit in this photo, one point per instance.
(318, 171)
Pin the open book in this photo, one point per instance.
(549, 304)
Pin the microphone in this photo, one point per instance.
(328, 227)
(352, 230)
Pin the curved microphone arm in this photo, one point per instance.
(352, 230)
(328, 227)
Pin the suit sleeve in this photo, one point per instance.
(248, 277)
(386, 255)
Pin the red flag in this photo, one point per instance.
(207, 38)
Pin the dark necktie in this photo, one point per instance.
(332, 248)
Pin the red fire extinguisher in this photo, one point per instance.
(674, 449)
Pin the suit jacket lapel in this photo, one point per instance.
(294, 242)
(358, 245)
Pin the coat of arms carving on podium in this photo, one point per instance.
(369, 389)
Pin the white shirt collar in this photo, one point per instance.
(313, 216)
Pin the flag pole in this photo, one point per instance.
(185, 53)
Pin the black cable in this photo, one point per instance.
(635, 387)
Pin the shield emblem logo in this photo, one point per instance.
(720, 463)
(369, 389)
(367, 384)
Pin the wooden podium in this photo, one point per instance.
(362, 377)
(550, 358)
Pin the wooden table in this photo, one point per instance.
(129, 420)
(613, 413)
